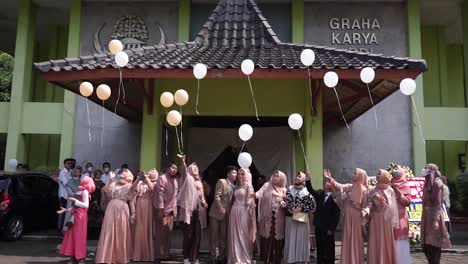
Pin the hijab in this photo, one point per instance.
(400, 180)
(359, 185)
(384, 180)
(87, 184)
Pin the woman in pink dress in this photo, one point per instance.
(115, 241)
(74, 241)
(271, 218)
(354, 203)
(403, 197)
(383, 214)
(143, 249)
(242, 223)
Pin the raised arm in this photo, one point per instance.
(183, 167)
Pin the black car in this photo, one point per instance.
(27, 201)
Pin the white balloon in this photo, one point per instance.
(86, 89)
(121, 59)
(103, 92)
(244, 160)
(174, 118)
(330, 79)
(166, 99)
(12, 163)
(247, 67)
(408, 86)
(199, 71)
(181, 97)
(245, 132)
(295, 121)
(367, 75)
(115, 46)
(307, 57)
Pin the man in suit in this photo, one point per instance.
(327, 216)
(219, 214)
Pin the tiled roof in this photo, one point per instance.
(236, 30)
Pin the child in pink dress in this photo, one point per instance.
(74, 241)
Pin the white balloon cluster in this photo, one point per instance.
(180, 97)
(116, 48)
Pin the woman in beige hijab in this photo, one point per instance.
(383, 213)
(143, 249)
(271, 218)
(354, 204)
(115, 241)
(434, 235)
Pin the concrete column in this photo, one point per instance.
(414, 46)
(150, 149)
(184, 20)
(69, 100)
(22, 78)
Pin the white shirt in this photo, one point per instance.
(327, 195)
(63, 178)
(446, 196)
(105, 177)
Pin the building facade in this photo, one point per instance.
(43, 123)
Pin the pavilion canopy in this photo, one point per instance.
(237, 30)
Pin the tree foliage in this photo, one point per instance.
(6, 76)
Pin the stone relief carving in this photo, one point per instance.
(129, 29)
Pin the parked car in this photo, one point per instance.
(28, 201)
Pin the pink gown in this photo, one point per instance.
(241, 228)
(143, 249)
(115, 241)
(74, 241)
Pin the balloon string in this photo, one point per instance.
(310, 85)
(165, 130)
(243, 145)
(303, 151)
(419, 120)
(372, 101)
(341, 110)
(123, 87)
(178, 140)
(198, 94)
(102, 131)
(89, 121)
(181, 128)
(118, 97)
(253, 98)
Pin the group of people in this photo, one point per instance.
(138, 215)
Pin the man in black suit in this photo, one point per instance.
(327, 216)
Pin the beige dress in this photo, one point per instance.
(352, 249)
(115, 241)
(383, 218)
(143, 249)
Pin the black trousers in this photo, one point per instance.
(325, 246)
(432, 254)
(61, 217)
(192, 237)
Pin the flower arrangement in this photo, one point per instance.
(409, 172)
(414, 233)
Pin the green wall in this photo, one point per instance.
(443, 87)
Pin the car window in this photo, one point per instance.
(4, 183)
(44, 186)
(28, 184)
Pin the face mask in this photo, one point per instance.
(90, 169)
(424, 172)
(106, 170)
(395, 173)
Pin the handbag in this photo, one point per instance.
(301, 217)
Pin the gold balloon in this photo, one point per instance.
(181, 97)
(86, 89)
(103, 92)
(166, 99)
(174, 118)
(115, 46)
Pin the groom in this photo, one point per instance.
(219, 215)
